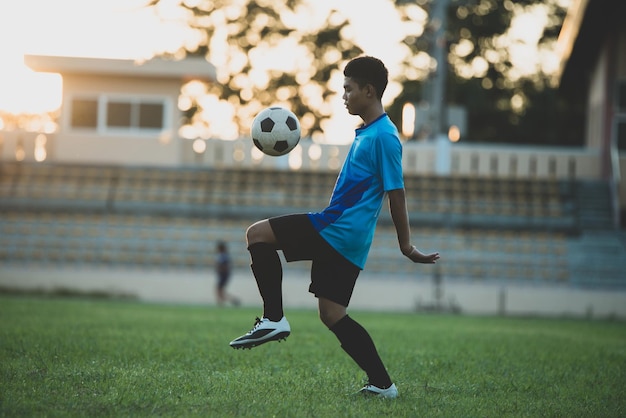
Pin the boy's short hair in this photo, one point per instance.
(368, 70)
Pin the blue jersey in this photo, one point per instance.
(372, 167)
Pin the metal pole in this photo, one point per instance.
(439, 22)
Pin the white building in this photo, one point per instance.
(120, 111)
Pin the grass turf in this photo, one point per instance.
(61, 357)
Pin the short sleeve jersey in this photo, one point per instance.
(372, 167)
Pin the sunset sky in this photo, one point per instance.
(125, 29)
(90, 28)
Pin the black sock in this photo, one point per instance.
(268, 273)
(356, 341)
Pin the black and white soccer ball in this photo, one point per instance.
(275, 131)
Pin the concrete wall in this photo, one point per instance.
(419, 158)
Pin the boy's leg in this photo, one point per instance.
(356, 342)
(268, 273)
(266, 267)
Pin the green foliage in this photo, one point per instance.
(544, 116)
(106, 358)
(250, 25)
(502, 105)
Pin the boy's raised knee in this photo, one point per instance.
(260, 232)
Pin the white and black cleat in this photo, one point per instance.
(263, 331)
(388, 393)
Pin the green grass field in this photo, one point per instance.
(88, 358)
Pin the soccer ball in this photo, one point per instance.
(275, 131)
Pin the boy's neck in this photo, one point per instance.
(372, 113)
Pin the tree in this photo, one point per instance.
(508, 100)
(264, 56)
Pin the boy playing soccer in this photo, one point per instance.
(337, 240)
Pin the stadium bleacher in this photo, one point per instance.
(487, 229)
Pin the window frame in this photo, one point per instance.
(135, 101)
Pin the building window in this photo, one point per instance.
(85, 113)
(151, 115)
(119, 115)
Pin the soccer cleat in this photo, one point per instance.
(264, 331)
(371, 390)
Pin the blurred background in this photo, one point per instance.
(125, 152)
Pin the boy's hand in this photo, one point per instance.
(418, 257)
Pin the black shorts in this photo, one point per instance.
(332, 276)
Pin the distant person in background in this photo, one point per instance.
(223, 268)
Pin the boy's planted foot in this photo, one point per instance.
(371, 390)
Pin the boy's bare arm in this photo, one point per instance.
(400, 218)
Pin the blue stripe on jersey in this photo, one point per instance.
(372, 167)
(343, 198)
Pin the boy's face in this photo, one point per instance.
(355, 98)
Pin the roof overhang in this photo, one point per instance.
(569, 32)
(188, 68)
(586, 29)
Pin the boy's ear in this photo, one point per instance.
(370, 90)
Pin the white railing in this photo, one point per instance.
(419, 157)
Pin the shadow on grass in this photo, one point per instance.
(64, 292)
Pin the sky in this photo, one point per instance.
(126, 29)
(88, 28)
(95, 28)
